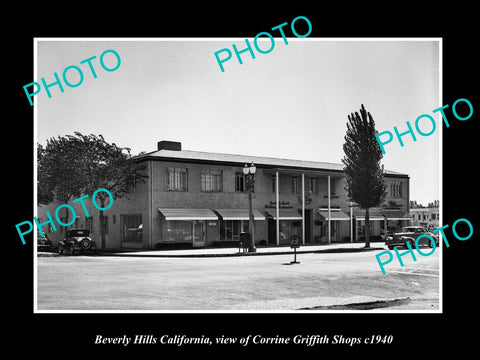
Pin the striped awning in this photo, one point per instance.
(285, 214)
(334, 215)
(373, 215)
(239, 214)
(396, 215)
(188, 214)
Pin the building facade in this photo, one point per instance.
(428, 217)
(198, 199)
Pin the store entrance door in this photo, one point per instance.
(198, 233)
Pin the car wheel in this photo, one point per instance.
(85, 244)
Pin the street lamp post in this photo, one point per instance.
(249, 172)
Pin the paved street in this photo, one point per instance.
(235, 283)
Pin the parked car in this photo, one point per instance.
(76, 241)
(410, 234)
(43, 244)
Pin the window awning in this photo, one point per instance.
(372, 215)
(334, 215)
(188, 214)
(239, 214)
(396, 215)
(285, 214)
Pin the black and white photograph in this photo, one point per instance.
(221, 169)
(234, 182)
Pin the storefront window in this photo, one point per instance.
(288, 228)
(361, 228)
(177, 231)
(231, 229)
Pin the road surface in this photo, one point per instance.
(253, 283)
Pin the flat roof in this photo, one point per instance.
(240, 160)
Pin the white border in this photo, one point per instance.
(134, 39)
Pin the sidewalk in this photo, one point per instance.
(271, 250)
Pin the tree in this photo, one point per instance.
(365, 184)
(81, 164)
(58, 172)
(105, 166)
(45, 193)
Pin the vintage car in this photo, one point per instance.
(410, 234)
(76, 241)
(43, 244)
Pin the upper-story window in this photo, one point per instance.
(239, 182)
(314, 186)
(396, 189)
(212, 180)
(176, 179)
(332, 186)
(131, 182)
(294, 184)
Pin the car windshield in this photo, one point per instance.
(412, 229)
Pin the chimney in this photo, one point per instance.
(169, 145)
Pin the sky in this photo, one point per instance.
(290, 103)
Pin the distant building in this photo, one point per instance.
(199, 199)
(428, 217)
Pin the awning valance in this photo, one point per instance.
(239, 214)
(396, 215)
(285, 214)
(334, 215)
(188, 214)
(372, 215)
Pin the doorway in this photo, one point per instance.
(198, 233)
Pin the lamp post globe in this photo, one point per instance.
(253, 168)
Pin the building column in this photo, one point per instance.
(351, 222)
(356, 228)
(277, 206)
(329, 215)
(303, 208)
(150, 198)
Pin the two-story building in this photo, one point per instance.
(428, 217)
(199, 199)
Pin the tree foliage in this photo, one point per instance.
(59, 175)
(45, 194)
(365, 183)
(104, 165)
(79, 164)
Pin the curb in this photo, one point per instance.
(368, 305)
(47, 254)
(235, 254)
